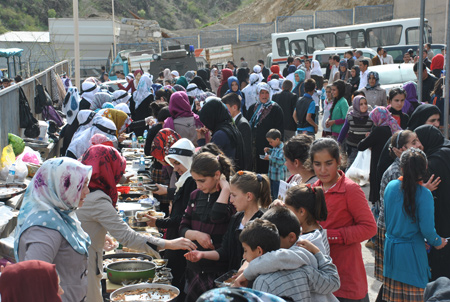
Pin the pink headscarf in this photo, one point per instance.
(382, 117)
(179, 106)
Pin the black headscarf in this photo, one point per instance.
(242, 75)
(421, 115)
(437, 149)
(204, 74)
(355, 80)
(199, 82)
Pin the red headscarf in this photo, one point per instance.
(108, 167)
(162, 142)
(30, 281)
(275, 70)
(226, 73)
(437, 62)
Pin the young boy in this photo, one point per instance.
(300, 273)
(305, 111)
(275, 155)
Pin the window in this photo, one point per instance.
(321, 41)
(383, 36)
(412, 35)
(283, 47)
(297, 48)
(353, 38)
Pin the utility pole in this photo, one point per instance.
(420, 65)
(76, 44)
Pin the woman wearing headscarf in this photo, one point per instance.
(265, 115)
(204, 75)
(87, 93)
(343, 74)
(250, 94)
(437, 65)
(199, 82)
(189, 75)
(130, 83)
(234, 85)
(316, 73)
(375, 95)
(123, 107)
(258, 71)
(275, 86)
(98, 139)
(70, 107)
(31, 281)
(119, 118)
(100, 98)
(100, 216)
(182, 81)
(80, 143)
(275, 70)
(85, 120)
(411, 101)
(384, 126)
(299, 78)
(354, 79)
(47, 227)
(437, 149)
(214, 80)
(120, 97)
(226, 73)
(217, 119)
(140, 104)
(167, 77)
(356, 126)
(183, 120)
(196, 94)
(242, 76)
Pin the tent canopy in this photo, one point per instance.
(10, 52)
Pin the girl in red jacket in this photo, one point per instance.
(349, 220)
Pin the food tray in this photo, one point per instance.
(126, 256)
(172, 293)
(133, 197)
(8, 191)
(223, 281)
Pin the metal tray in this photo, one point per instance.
(126, 256)
(122, 290)
(20, 189)
(220, 282)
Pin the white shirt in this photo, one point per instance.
(334, 69)
(381, 59)
(363, 79)
(234, 118)
(388, 59)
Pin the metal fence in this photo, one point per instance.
(256, 31)
(373, 13)
(333, 18)
(292, 23)
(211, 38)
(137, 46)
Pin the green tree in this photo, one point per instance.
(51, 13)
(141, 13)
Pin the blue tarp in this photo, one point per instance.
(10, 52)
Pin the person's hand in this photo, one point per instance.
(162, 190)
(240, 281)
(122, 137)
(316, 129)
(266, 150)
(180, 244)
(2, 267)
(201, 133)
(204, 240)
(267, 157)
(223, 183)
(329, 123)
(109, 244)
(194, 256)
(277, 203)
(443, 244)
(397, 152)
(306, 244)
(432, 184)
(151, 220)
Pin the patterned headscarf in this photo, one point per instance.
(382, 117)
(143, 90)
(71, 104)
(100, 98)
(189, 75)
(162, 142)
(108, 166)
(99, 138)
(120, 119)
(51, 199)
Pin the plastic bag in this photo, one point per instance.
(21, 171)
(30, 156)
(8, 157)
(359, 171)
(17, 143)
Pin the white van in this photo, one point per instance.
(323, 55)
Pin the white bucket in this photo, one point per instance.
(43, 126)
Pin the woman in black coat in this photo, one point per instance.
(140, 102)
(265, 115)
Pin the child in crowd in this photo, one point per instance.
(248, 192)
(301, 273)
(356, 127)
(305, 110)
(326, 107)
(396, 102)
(275, 155)
(323, 95)
(206, 219)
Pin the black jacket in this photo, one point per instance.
(287, 101)
(246, 132)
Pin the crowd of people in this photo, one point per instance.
(248, 183)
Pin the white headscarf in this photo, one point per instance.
(143, 90)
(120, 96)
(88, 91)
(175, 73)
(275, 87)
(251, 95)
(124, 107)
(71, 104)
(80, 143)
(167, 75)
(192, 90)
(130, 77)
(182, 151)
(257, 70)
(85, 119)
(315, 68)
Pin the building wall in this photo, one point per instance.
(435, 12)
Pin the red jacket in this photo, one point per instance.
(350, 221)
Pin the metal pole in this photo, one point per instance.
(420, 66)
(114, 30)
(447, 76)
(76, 44)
